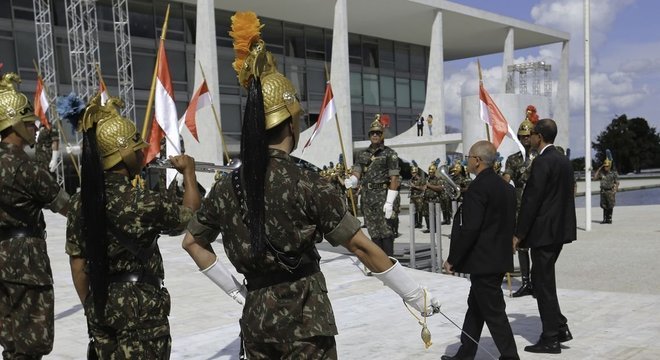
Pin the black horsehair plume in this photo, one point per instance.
(437, 162)
(92, 196)
(414, 163)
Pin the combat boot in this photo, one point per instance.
(609, 215)
(604, 217)
(526, 287)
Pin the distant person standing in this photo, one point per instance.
(420, 125)
(429, 123)
(480, 246)
(546, 222)
(47, 147)
(609, 185)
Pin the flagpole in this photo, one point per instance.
(215, 116)
(58, 122)
(150, 102)
(481, 81)
(98, 73)
(343, 153)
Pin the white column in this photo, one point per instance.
(435, 100)
(209, 148)
(507, 57)
(561, 100)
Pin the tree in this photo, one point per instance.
(633, 143)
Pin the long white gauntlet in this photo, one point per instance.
(412, 293)
(388, 207)
(221, 276)
(52, 165)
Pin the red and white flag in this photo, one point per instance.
(41, 103)
(491, 115)
(166, 124)
(104, 91)
(201, 98)
(326, 114)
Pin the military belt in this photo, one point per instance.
(13, 233)
(377, 185)
(137, 278)
(279, 277)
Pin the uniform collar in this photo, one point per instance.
(279, 154)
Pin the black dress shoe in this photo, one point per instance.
(455, 357)
(544, 347)
(525, 289)
(564, 335)
(426, 231)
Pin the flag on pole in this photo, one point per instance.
(201, 98)
(41, 103)
(328, 111)
(165, 124)
(103, 90)
(491, 115)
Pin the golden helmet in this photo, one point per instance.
(525, 128)
(376, 125)
(607, 163)
(116, 137)
(253, 60)
(433, 168)
(339, 168)
(414, 169)
(15, 108)
(457, 168)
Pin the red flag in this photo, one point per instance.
(104, 91)
(326, 113)
(491, 115)
(166, 124)
(200, 99)
(41, 103)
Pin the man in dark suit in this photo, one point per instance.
(546, 222)
(480, 246)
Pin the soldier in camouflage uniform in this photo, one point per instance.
(26, 280)
(271, 214)
(518, 169)
(417, 187)
(609, 185)
(46, 150)
(377, 171)
(458, 174)
(116, 264)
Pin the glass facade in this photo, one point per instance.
(385, 76)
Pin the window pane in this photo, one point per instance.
(8, 55)
(370, 89)
(354, 49)
(356, 88)
(27, 49)
(402, 92)
(316, 83)
(358, 125)
(417, 60)
(386, 91)
(143, 63)
(230, 115)
(295, 41)
(417, 93)
(141, 19)
(296, 73)
(272, 33)
(401, 57)
(370, 55)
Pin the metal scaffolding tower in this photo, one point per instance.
(124, 57)
(83, 46)
(537, 72)
(46, 61)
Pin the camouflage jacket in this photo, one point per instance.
(43, 148)
(417, 181)
(376, 165)
(301, 210)
(432, 195)
(519, 168)
(25, 189)
(138, 214)
(608, 180)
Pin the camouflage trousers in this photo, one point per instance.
(607, 199)
(135, 324)
(317, 347)
(26, 320)
(372, 201)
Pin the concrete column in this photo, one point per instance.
(326, 146)
(507, 58)
(561, 103)
(209, 148)
(435, 100)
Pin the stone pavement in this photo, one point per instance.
(609, 283)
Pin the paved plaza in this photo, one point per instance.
(609, 288)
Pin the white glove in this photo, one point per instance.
(52, 166)
(412, 293)
(221, 276)
(389, 203)
(351, 182)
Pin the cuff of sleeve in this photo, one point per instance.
(394, 172)
(344, 231)
(60, 201)
(202, 232)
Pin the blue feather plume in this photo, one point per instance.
(70, 108)
(608, 154)
(414, 163)
(341, 159)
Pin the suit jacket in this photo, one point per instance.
(547, 210)
(483, 227)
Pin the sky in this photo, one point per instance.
(625, 60)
